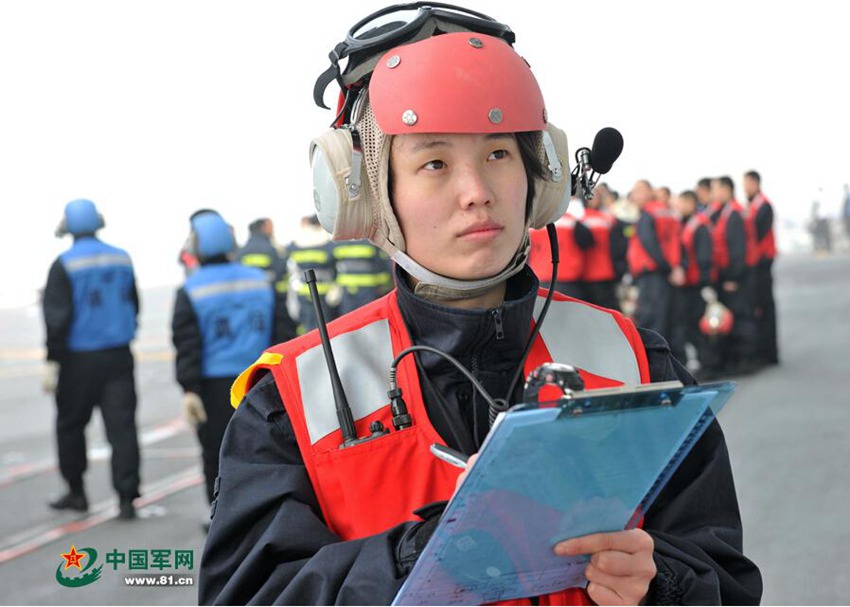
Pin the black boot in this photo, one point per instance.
(71, 501)
(126, 509)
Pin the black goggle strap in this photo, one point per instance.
(329, 75)
(367, 58)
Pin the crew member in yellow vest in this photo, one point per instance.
(312, 250)
(362, 274)
(446, 165)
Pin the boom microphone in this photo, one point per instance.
(607, 147)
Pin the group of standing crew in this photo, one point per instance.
(680, 254)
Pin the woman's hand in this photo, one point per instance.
(621, 565)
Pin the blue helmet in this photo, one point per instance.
(212, 235)
(81, 217)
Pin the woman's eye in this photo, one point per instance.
(434, 165)
(498, 155)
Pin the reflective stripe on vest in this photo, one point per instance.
(97, 261)
(583, 336)
(369, 352)
(355, 251)
(363, 280)
(237, 286)
(307, 256)
(256, 260)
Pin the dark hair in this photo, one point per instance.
(753, 175)
(727, 181)
(705, 182)
(527, 142)
(688, 194)
(256, 226)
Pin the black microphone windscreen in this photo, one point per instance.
(607, 147)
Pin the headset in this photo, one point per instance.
(80, 217)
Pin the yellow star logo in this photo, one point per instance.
(72, 558)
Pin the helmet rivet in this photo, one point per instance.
(495, 115)
(409, 117)
(393, 61)
(476, 43)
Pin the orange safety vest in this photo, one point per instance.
(766, 247)
(667, 229)
(571, 258)
(721, 250)
(692, 273)
(599, 266)
(396, 474)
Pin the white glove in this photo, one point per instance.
(193, 409)
(50, 377)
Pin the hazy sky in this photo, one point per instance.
(153, 109)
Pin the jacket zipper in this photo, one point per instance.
(497, 318)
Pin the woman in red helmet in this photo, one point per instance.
(444, 157)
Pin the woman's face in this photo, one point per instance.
(460, 200)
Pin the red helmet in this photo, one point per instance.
(717, 320)
(461, 82)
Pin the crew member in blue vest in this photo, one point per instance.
(91, 308)
(362, 273)
(224, 316)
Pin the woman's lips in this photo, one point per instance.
(483, 230)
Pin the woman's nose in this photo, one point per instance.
(473, 187)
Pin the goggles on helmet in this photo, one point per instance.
(388, 28)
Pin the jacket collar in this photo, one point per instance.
(491, 339)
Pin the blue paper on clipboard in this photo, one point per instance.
(590, 464)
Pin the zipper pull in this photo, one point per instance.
(497, 318)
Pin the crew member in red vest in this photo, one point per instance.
(760, 217)
(461, 163)
(605, 261)
(688, 303)
(703, 192)
(574, 239)
(655, 259)
(734, 251)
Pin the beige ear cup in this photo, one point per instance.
(344, 202)
(551, 198)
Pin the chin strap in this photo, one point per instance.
(436, 287)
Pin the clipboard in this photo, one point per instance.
(593, 462)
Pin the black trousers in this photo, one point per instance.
(653, 305)
(765, 313)
(103, 378)
(215, 394)
(688, 309)
(737, 350)
(602, 293)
